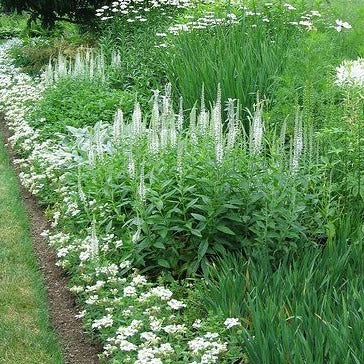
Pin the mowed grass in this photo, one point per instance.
(25, 332)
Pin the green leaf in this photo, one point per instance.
(202, 249)
(164, 263)
(159, 245)
(196, 232)
(224, 229)
(191, 203)
(199, 217)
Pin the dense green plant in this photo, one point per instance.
(142, 69)
(175, 204)
(242, 60)
(11, 25)
(308, 310)
(77, 103)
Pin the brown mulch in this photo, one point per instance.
(77, 347)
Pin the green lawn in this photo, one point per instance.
(25, 332)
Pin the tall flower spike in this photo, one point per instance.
(141, 188)
(115, 59)
(297, 143)
(256, 128)
(78, 66)
(219, 152)
(131, 166)
(192, 128)
(172, 131)
(49, 73)
(167, 100)
(92, 66)
(164, 136)
(118, 127)
(99, 141)
(203, 118)
(216, 120)
(153, 141)
(137, 120)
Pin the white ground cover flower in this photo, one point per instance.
(175, 304)
(207, 347)
(231, 322)
(172, 329)
(105, 321)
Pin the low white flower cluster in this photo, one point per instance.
(137, 10)
(238, 10)
(350, 73)
(139, 321)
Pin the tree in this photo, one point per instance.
(50, 11)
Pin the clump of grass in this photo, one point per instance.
(243, 61)
(308, 310)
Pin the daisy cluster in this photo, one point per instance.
(139, 321)
(138, 10)
(267, 15)
(350, 73)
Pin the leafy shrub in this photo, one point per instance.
(11, 25)
(177, 200)
(35, 52)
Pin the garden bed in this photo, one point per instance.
(218, 218)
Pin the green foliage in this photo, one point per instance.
(307, 310)
(143, 69)
(241, 60)
(11, 25)
(50, 11)
(77, 103)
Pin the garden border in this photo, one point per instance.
(76, 345)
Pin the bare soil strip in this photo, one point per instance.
(77, 346)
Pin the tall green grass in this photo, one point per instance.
(308, 311)
(242, 59)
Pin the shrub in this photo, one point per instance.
(179, 198)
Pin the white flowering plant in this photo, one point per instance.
(141, 206)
